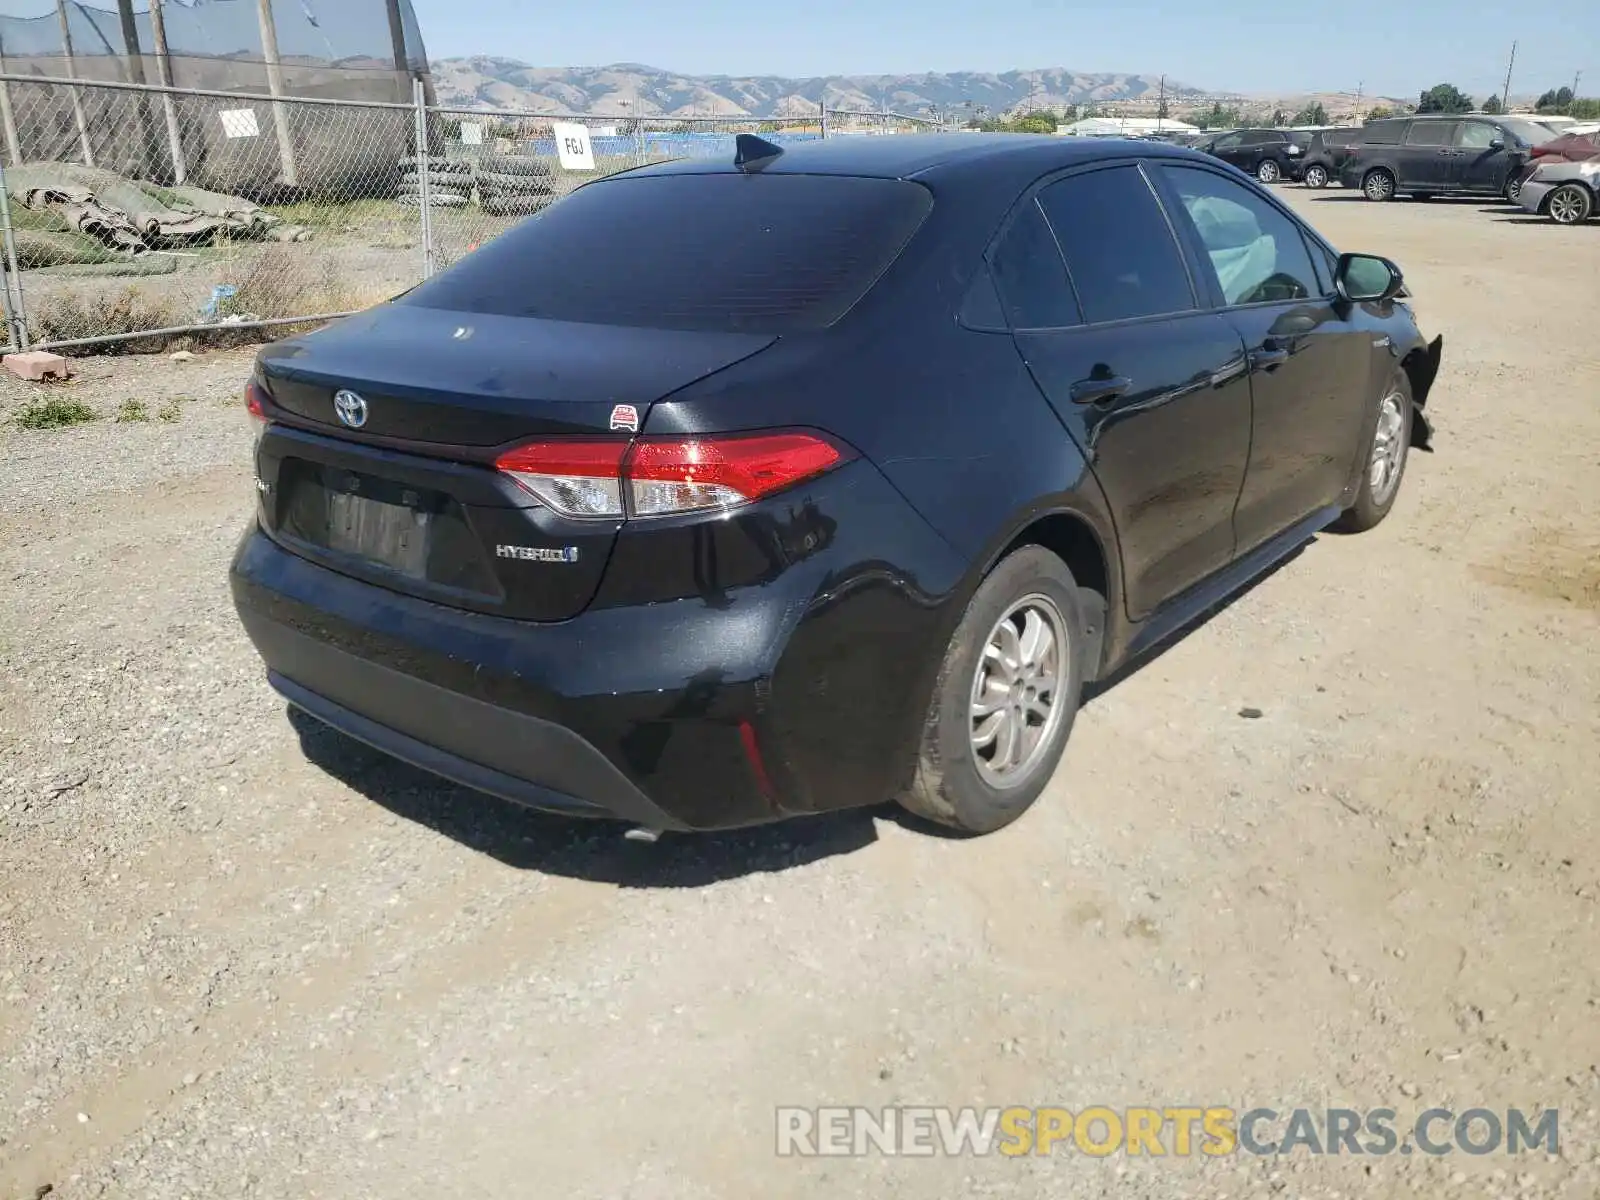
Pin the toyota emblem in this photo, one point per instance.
(352, 409)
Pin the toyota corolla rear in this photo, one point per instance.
(475, 551)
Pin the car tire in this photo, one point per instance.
(437, 179)
(1389, 448)
(1316, 176)
(437, 166)
(516, 185)
(1513, 192)
(1267, 171)
(958, 782)
(1378, 185)
(515, 164)
(1570, 204)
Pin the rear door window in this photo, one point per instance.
(1121, 254)
(1030, 276)
(759, 253)
(1384, 133)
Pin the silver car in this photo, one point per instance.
(1566, 192)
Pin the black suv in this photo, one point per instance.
(723, 491)
(1268, 154)
(1325, 155)
(1426, 156)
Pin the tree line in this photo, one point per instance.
(1447, 98)
(1441, 98)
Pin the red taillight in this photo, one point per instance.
(577, 479)
(685, 476)
(663, 477)
(255, 401)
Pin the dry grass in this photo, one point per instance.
(277, 283)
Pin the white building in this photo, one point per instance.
(1124, 127)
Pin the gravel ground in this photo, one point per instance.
(240, 956)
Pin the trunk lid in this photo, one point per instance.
(471, 381)
(409, 497)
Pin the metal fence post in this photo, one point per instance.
(424, 170)
(824, 122)
(16, 314)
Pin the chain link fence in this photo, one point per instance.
(145, 215)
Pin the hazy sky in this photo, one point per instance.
(1244, 45)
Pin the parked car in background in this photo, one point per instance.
(1566, 192)
(1268, 154)
(1427, 156)
(1325, 155)
(1568, 148)
(700, 500)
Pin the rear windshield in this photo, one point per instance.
(751, 253)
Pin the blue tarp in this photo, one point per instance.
(672, 145)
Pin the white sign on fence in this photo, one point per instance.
(572, 144)
(240, 122)
(471, 134)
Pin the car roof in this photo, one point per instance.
(909, 156)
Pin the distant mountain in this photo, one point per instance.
(628, 89)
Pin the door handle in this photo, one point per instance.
(1267, 357)
(1098, 391)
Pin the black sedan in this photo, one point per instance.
(722, 492)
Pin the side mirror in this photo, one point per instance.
(1497, 143)
(1367, 279)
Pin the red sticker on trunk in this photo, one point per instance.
(625, 416)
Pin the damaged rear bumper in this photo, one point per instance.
(1423, 369)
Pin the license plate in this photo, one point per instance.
(390, 535)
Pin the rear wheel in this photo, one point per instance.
(1386, 460)
(1570, 204)
(1514, 189)
(1267, 171)
(1378, 185)
(1005, 699)
(1316, 176)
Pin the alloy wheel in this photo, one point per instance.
(1379, 186)
(1015, 707)
(1388, 448)
(1570, 205)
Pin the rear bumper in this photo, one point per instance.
(596, 717)
(1533, 195)
(579, 782)
(770, 664)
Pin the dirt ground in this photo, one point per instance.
(240, 956)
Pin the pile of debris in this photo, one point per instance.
(124, 218)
